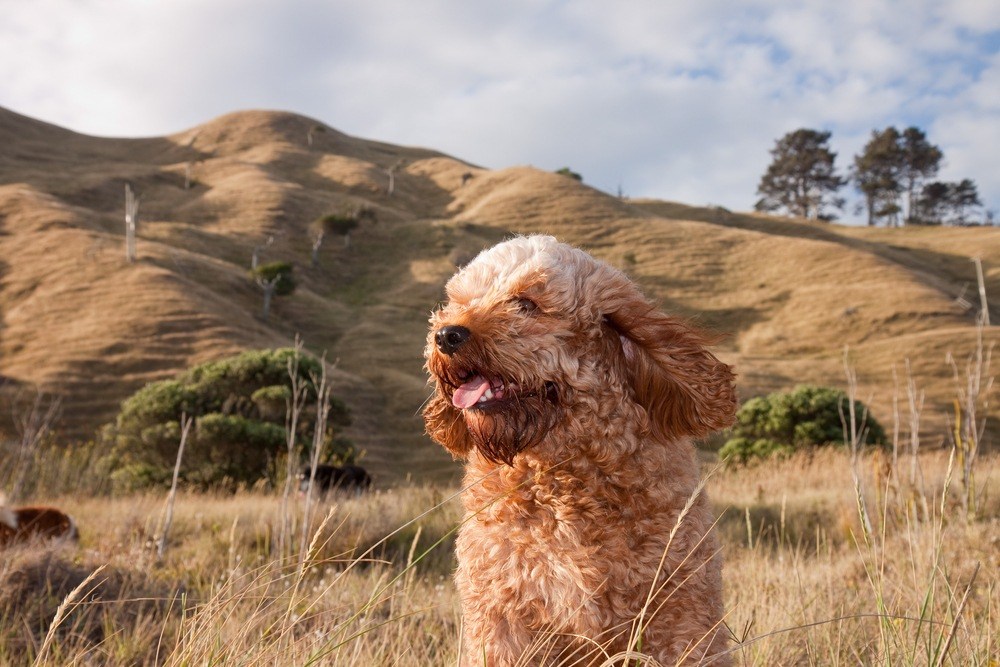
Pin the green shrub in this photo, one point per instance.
(566, 171)
(784, 422)
(238, 436)
(282, 271)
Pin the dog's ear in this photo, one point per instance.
(684, 388)
(446, 426)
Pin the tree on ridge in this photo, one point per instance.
(801, 178)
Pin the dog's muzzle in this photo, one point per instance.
(448, 339)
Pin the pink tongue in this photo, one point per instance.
(469, 393)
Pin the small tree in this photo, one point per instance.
(276, 279)
(801, 178)
(566, 171)
(964, 196)
(947, 203)
(931, 207)
(315, 129)
(893, 163)
(341, 224)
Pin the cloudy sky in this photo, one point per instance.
(677, 100)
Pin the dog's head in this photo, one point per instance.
(537, 334)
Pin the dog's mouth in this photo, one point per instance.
(505, 413)
(479, 392)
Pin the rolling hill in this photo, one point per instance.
(79, 322)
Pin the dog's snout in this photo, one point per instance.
(450, 338)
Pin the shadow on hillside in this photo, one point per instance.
(484, 235)
(725, 322)
(414, 193)
(91, 172)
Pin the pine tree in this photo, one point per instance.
(941, 203)
(964, 195)
(878, 174)
(801, 178)
(921, 160)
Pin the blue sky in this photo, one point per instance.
(674, 100)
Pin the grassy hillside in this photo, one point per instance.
(79, 322)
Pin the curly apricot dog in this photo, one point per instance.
(573, 399)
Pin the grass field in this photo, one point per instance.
(807, 581)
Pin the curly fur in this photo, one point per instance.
(23, 524)
(586, 530)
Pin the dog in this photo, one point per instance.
(573, 402)
(329, 477)
(24, 524)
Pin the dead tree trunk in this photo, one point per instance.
(317, 242)
(131, 219)
(391, 173)
(255, 258)
(169, 518)
(984, 312)
(268, 286)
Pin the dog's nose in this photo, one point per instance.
(451, 338)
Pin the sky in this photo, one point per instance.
(677, 100)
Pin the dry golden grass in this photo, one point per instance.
(806, 583)
(809, 584)
(222, 593)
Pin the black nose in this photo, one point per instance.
(451, 338)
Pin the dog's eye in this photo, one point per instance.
(526, 305)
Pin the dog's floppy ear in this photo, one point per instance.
(446, 426)
(684, 388)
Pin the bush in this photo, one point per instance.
(744, 450)
(280, 270)
(238, 436)
(340, 224)
(566, 171)
(785, 422)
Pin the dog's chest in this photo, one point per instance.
(544, 546)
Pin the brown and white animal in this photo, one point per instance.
(23, 524)
(574, 400)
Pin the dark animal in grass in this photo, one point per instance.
(330, 478)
